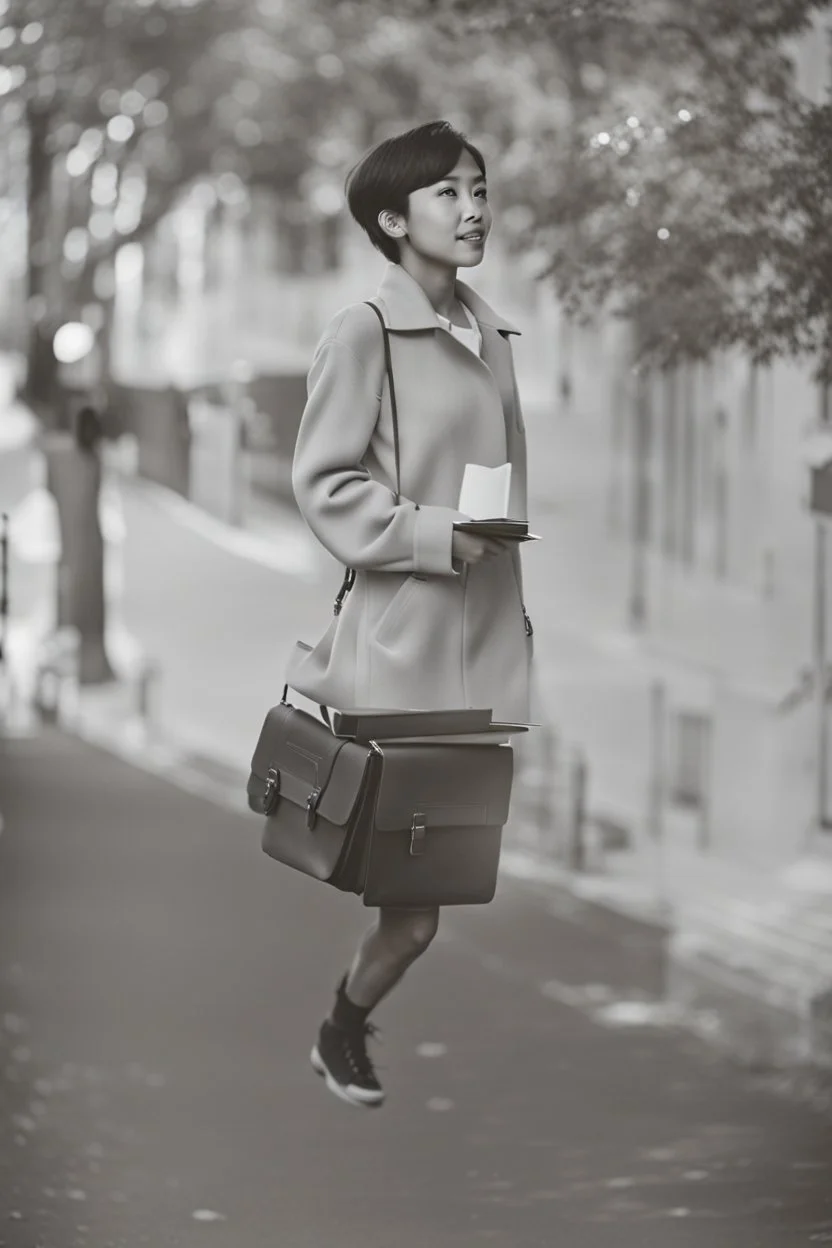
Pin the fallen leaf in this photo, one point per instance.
(207, 1215)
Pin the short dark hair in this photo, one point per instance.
(394, 168)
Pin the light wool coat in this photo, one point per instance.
(418, 629)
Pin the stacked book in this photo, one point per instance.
(465, 726)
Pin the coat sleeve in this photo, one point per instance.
(356, 518)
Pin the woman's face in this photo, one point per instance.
(448, 223)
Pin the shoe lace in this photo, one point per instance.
(356, 1049)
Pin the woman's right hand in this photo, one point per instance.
(472, 548)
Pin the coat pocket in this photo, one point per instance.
(394, 614)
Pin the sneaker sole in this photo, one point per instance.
(359, 1097)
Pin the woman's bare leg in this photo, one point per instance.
(391, 945)
(394, 942)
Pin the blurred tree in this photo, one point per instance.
(691, 186)
(125, 103)
(74, 475)
(111, 95)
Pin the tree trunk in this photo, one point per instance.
(41, 375)
(74, 477)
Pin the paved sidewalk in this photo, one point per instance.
(160, 982)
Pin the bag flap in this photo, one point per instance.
(449, 786)
(307, 757)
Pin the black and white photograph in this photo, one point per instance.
(415, 623)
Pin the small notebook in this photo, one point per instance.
(484, 497)
(485, 491)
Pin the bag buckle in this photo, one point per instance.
(272, 790)
(417, 835)
(312, 808)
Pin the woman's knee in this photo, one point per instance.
(410, 930)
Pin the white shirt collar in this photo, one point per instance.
(470, 337)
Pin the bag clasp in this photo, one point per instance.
(417, 835)
(272, 790)
(312, 807)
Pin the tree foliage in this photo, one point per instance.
(654, 156)
(125, 103)
(689, 186)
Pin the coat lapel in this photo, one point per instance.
(407, 307)
(483, 311)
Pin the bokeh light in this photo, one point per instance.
(327, 199)
(132, 103)
(155, 113)
(104, 188)
(120, 128)
(31, 33)
(72, 342)
(76, 245)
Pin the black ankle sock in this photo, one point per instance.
(346, 1014)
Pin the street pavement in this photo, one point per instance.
(160, 986)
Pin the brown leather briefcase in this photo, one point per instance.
(403, 825)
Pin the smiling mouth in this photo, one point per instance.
(475, 236)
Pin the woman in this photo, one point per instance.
(435, 618)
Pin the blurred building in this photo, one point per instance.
(699, 696)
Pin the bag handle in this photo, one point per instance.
(349, 577)
(284, 701)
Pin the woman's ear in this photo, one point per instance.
(392, 223)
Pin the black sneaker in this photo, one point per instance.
(342, 1058)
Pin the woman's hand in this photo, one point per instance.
(471, 548)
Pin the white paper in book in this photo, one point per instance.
(485, 492)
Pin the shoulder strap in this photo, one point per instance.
(388, 368)
(349, 577)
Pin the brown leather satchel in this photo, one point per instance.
(403, 825)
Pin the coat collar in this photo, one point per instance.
(406, 306)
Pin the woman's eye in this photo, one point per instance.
(482, 192)
(447, 190)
